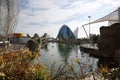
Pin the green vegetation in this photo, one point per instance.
(94, 38)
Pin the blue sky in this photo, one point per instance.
(47, 16)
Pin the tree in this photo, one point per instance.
(94, 38)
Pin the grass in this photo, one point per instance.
(20, 65)
(67, 71)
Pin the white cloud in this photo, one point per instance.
(42, 4)
(54, 12)
(43, 15)
(112, 3)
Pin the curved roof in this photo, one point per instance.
(65, 33)
(18, 35)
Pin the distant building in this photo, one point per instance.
(65, 33)
(19, 38)
(36, 35)
(76, 33)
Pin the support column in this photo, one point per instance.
(119, 15)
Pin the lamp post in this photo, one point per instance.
(89, 30)
(89, 25)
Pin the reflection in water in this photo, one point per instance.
(58, 52)
(64, 49)
(61, 53)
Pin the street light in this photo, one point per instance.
(89, 25)
(89, 30)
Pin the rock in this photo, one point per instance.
(109, 40)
